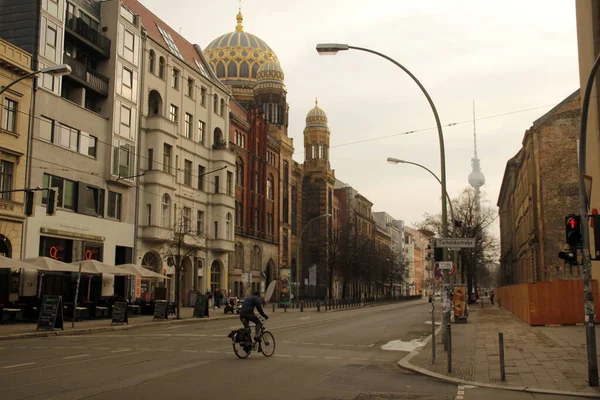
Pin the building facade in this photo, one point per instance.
(395, 228)
(14, 133)
(186, 168)
(539, 189)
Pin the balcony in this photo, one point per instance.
(87, 35)
(220, 245)
(87, 76)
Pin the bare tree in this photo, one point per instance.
(473, 220)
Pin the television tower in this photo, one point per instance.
(476, 177)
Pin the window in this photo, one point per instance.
(151, 61)
(175, 78)
(149, 214)
(51, 36)
(269, 221)
(187, 173)
(200, 223)
(9, 115)
(127, 77)
(216, 229)
(239, 214)
(256, 219)
(222, 111)
(6, 179)
(256, 182)
(201, 172)
(228, 235)
(166, 211)
(203, 96)
(190, 88)
(174, 113)
(230, 183)
(92, 201)
(216, 184)
(67, 137)
(87, 144)
(201, 130)
(187, 130)
(67, 191)
(114, 205)
(270, 189)
(201, 68)
(88, 20)
(239, 173)
(169, 40)
(123, 161)
(128, 40)
(150, 159)
(216, 104)
(125, 118)
(161, 67)
(286, 172)
(46, 130)
(187, 219)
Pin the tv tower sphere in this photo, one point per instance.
(476, 179)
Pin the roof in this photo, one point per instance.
(191, 54)
(549, 114)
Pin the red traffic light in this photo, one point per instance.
(572, 222)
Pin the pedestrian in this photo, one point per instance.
(492, 297)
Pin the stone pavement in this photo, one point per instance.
(552, 358)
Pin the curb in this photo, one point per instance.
(405, 364)
(109, 328)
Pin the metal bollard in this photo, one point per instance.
(449, 341)
(318, 305)
(273, 307)
(302, 306)
(501, 342)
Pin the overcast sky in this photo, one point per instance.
(517, 58)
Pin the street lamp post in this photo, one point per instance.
(56, 70)
(334, 48)
(298, 263)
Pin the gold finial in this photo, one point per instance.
(240, 19)
(316, 102)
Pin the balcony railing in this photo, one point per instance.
(87, 76)
(78, 27)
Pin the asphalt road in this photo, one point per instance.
(318, 356)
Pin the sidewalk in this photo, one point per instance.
(550, 358)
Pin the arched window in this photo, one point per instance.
(151, 260)
(228, 235)
(239, 172)
(270, 188)
(243, 141)
(232, 70)
(256, 258)
(244, 70)
(215, 276)
(254, 69)
(217, 137)
(222, 107)
(239, 255)
(154, 103)
(256, 182)
(216, 104)
(161, 67)
(151, 61)
(166, 211)
(220, 70)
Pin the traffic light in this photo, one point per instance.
(573, 230)
(29, 197)
(438, 253)
(52, 200)
(569, 256)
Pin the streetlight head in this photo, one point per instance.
(331, 49)
(57, 70)
(392, 160)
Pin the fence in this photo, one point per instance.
(348, 302)
(547, 303)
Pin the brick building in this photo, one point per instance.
(539, 189)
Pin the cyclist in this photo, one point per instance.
(247, 313)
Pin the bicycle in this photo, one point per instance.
(243, 344)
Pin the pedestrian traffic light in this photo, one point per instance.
(569, 256)
(573, 230)
(52, 200)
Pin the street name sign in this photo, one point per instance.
(445, 265)
(455, 243)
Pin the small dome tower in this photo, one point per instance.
(316, 138)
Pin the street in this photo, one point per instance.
(333, 355)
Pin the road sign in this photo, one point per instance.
(455, 243)
(453, 270)
(445, 265)
(437, 274)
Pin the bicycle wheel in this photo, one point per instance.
(239, 348)
(267, 344)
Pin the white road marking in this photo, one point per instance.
(120, 350)
(189, 351)
(346, 345)
(307, 343)
(165, 350)
(287, 342)
(78, 356)
(282, 355)
(144, 349)
(359, 359)
(18, 365)
(100, 348)
(383, 326)
(38, 347)
(78, 347)
(307, 357)
(327, 344)
(333, 358)
(218, 336)
(20, 347)
(2, 348)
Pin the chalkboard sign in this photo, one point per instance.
(119, 313)
(51, 313)
(201, 307)
(170, 308)
(160, 310)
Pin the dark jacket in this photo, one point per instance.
(248, 307)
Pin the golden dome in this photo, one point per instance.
(237, 56)
(271, 70)
(316, 116)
